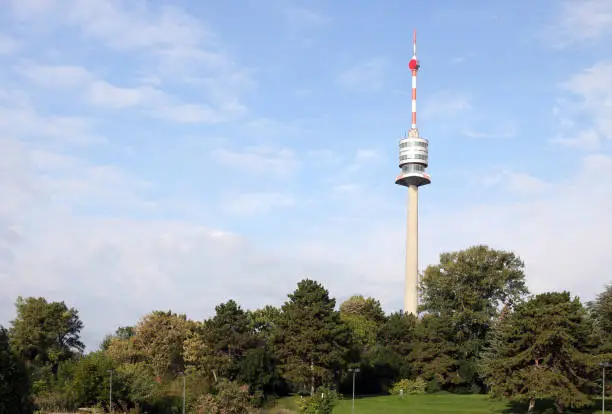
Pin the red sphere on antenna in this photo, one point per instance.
(413, 64)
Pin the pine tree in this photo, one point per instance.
(312, 341)
(544, 349)
(15, 397)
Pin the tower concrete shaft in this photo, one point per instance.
(411, 302)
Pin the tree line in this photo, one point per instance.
(479, 331)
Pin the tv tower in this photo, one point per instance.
(413, 160)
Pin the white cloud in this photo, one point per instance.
(363, 158)
(560, 229)
(347, 189)
(580, 21)
(261, 160)
(193, 113)
(586, 140)
(364, 76)
(124, 265)
(60, 76)
(104, 94)
(26, 123)
(456, 111)
(154, 101)
(175, 46)
(8, 45)
(591, 99)
(87, 231)
(257, 203)
(517, 183)
(268, 128)
(130, 266)
(120, 24)
(503, 131)
(445, 104)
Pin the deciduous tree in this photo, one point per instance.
(161, 335)
(469, 288)
(45, 333)
(364, 317)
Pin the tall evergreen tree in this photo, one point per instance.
(544, 349)
(15, 392)
(436, 357)
(313, 343)
(601, 312)
(227, 337)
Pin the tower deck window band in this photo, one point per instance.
(413, 143)
(413, 160)
(411, 168)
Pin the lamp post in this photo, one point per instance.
(184, 382)
(603, 366)
(354, 371)
(110, 392)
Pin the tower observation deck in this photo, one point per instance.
(413, 160)
(413, 149)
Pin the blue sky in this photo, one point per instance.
(173, 155)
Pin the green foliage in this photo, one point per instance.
(15, 391)
(264, 321)
(312, 341)
(543, 350)
(160, 337)
(380, 367)
(397, 333)
(228, 336)
(45, 333)
(321, 402)
(601, 312)
(230, 398)
(364, 317)
(259, 370)
(473, 283)
(91, 381)
(236, 360)
(466, 290)
(218, 348)
(408, 386)
(435, 356)
(122, 333)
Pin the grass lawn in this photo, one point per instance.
(436, 403)
(425, 404)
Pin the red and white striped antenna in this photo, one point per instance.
(414, 68)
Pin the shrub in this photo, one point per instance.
(433, 386)
(416, 386)
(322, 402)
(231, 398)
